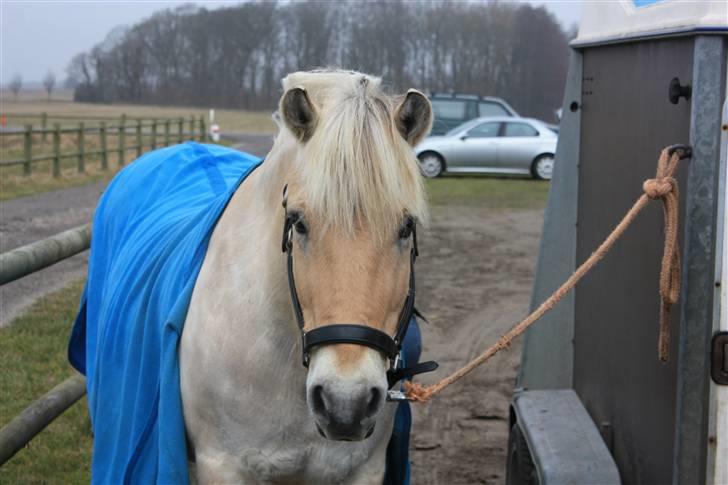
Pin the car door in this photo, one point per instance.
(517, 146)
(476, 148)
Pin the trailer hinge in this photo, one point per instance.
(719, 358)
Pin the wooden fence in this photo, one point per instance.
(99, 141)
(16, 264)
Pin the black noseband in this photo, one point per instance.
(349, 333)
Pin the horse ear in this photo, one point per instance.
(299, 113)
(414, 117)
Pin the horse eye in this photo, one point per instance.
(406, 230)
(301, 226)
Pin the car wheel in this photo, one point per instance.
(431, 165)
(543, 167)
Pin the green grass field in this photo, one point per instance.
(488, 192)
(33, 352)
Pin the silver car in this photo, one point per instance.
(504, 145)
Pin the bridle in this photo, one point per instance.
(351, 333)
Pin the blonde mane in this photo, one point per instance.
(356, 167)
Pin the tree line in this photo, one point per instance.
(234, 57)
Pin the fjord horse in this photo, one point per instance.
(343, 185)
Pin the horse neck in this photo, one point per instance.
(255, 215)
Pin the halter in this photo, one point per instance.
(351, 333)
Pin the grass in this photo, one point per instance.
(33, 351)
(489, 192)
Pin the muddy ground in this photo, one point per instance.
(474, 282)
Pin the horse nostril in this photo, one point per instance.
(317, 400)
(375, 399)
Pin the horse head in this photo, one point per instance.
(351, 203)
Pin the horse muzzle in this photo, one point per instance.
(343, 415)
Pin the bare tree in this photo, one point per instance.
(16, 84)
(234, 56)
(49, 82)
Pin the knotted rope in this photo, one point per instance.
(663, 187)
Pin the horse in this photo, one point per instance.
(342, 183)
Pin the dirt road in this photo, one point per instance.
(474, 281)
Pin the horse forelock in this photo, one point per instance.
(356, 168)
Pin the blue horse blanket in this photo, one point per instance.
(150, 234)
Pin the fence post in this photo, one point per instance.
(166, 133)
(154, 134)
(139, 138)
(181, 129)
(56, 149)
(28, 149)
(192, 128)
(104, 154)
(44, 125)
(203, 135)
(81, 154)
(122, 140)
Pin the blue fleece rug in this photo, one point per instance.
(150, 233)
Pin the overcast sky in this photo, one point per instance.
(38, 35)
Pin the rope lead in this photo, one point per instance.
(664, 187)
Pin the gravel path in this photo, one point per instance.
(29, 219)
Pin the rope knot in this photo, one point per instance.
(658, 188)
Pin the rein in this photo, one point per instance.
(352, 333)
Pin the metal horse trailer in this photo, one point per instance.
(593, 404)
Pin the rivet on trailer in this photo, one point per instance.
(593, 403)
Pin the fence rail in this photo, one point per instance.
(25, 426)
(16, 264)
(102, 141)
(35, 256)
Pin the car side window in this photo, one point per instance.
(451, 109)
(484, 130)
(487, 108)
(519, 129)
